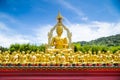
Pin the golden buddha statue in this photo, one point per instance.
(1, 57)
(37, 56)
(57, 58)
(52, 59)
(33, 57)
(23, 58)
(27, 56)
(15, 57)
(6, 57)
(43, 58)
(58, 43)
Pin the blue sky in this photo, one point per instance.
(28, 21)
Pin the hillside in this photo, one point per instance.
(113, 40)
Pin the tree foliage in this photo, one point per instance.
(111, 43)
(25, 47)
(3, 48)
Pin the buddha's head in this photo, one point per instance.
(59, 30)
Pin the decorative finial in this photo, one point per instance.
(59, 17)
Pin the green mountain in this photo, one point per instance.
(113, 40)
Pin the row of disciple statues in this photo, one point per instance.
(59, 58)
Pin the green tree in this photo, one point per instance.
(76, 46)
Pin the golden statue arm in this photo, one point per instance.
(50, 35)
(69, 35)
(52, 42)
(65, 43)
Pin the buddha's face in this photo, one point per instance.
(59, 30)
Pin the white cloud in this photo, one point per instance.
(9, 36)
(84, 32)
(42, 33)
(3, 27)
(84, 18)
(94, 30)
(80, 32)
(5, 40)
(7, 17)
